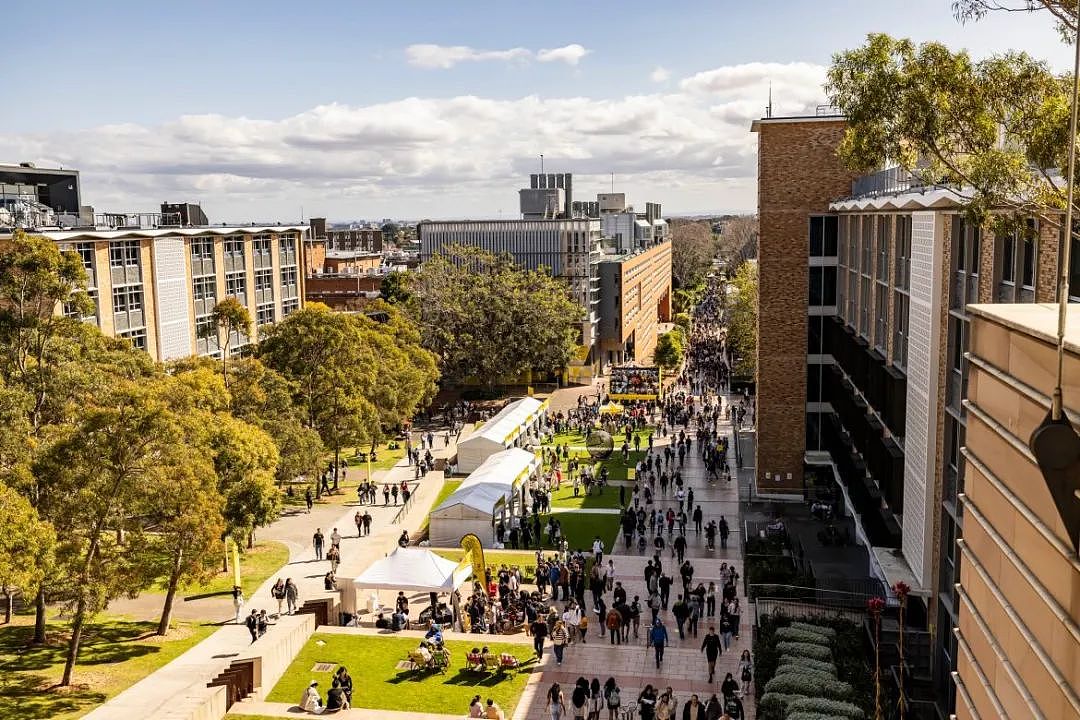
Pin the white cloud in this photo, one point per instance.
(660, 74)
(690, 149)
(447, 56)
(569, 54)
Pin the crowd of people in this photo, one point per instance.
(590, 699)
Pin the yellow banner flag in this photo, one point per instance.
(474, 551)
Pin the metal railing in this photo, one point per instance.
(414, 490)
(765, 606)
(142, 221)
(882, 182)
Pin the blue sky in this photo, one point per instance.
(430, 109)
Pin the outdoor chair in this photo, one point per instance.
(508, 662)
(491, 663)
(474, 662)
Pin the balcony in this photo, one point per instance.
(137, 221)
(885, 182)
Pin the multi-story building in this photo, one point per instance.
(157, 287)
(569, 249)
(635, 297)
(877, 276)
(38, 197)
(1017, 643)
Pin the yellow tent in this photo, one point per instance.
(611, 409)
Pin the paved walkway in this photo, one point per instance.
(632, 665)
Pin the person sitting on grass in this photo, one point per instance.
(382, 623)
(336, 698)
(310, 700)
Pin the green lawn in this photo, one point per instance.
(564, 497)
(525, 560)
(581, 528)
(574, 438)
(448, 487)
(379, 685)
(115, 654)
(256, 564)
(387, 458)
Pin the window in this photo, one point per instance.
(264, 314)
(287, 246)
(828, 285)
(1027, 272)
(813, 334)
(236, 286)
(830, 241)
(260, 245)
(202, 248)
(882, 309)
(234, 246)
(1008, 259)
(137, 337)
(817, 232)
(883, 248)
(204, 288)
(815, 286)
(902, 252)
(289, 306)
(127, 298)
(263, 279)
(900, 329)
(124, 253)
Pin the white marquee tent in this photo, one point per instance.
(414, 570)
(509, 428)
(494, 491)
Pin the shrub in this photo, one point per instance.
(774, 706)
(823, 706)
(800, 649)
(800, 671)
(795, 634)
(805, 662)
(811, 686)
(819, 629)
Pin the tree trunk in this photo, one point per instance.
(170, 596)
(251, 540)
(39, 617)
(76, 638)
(10, 596)
(337, 455)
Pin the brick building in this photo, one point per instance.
(798, 174)
(635, 297)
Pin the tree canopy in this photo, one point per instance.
(693, 248)
(487, 318)
(670, 349)
(995, 131)
(743, 318)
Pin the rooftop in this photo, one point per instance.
(110, 234)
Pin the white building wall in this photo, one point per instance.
(920, 441)
(175, 334)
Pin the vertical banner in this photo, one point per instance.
(474, 551)
(234, 551)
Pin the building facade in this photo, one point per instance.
(570, 249)
(158, 287)
(798, 174)
(892, 270)
(635, 297)
(1018, 590)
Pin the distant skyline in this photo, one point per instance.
(432, 109)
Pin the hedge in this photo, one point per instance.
(805, 662)
(824, 706)
(800, 649)
(793, 634)
(773, 706)
(811, 686)
(810, 627)
(799, 671)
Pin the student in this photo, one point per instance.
(336, 699)
(711, 647)
(493, 711)
(310, 700)
(556, 703)
(476, 709)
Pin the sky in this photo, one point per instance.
(273, 111)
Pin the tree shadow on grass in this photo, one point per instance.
(28, 695)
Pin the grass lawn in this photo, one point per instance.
(525, 560)
(448, 487)
(387, 458)
(379, 685)
(115, 654)
(580, 528)
(256, 564)
(564, 498)
(574, 438)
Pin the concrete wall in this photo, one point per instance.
(1019, 631)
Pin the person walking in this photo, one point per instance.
(613, 622)
(658, 637)
(317, 541)
(539, 631)
(252, 622)
(278, 593)
(556, 703)
(694, 709)
(647, 702)
(699, 517)
(335, 539)
(238, 602)
(724, 531)
(711, 645)
(612, 697)
(359, 520)
(308, 499)
(746, 672)
(559, 640)
(292, 594)
(681, 611)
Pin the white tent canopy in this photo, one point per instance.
(414, 570)
(502, 431)
(493, 492)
